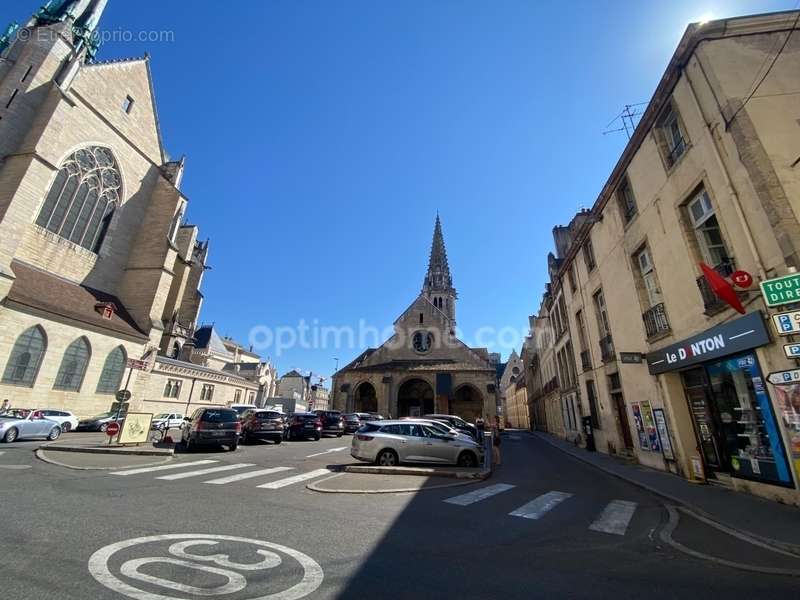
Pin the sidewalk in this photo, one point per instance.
(774, 523)
(370, 483)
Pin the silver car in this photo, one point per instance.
(389, 443)
(22, 423)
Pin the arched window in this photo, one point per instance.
(73, 366)
(83, 198)
(26, 356)
(176, 349)
(114, 367)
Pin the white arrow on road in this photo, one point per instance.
(327, 452)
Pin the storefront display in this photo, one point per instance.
(637, 419)
(663, 433)
(787, 398)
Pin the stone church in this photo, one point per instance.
(96, 264)
(423, 367)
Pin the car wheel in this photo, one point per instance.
(232, 447)
(387, 458)
(467, 459)
(277, 440)
(54, 433)
(338, 435)
(11, 435)
(66, 426)
(316, 437)
(103, 427)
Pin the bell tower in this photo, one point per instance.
(438, 284)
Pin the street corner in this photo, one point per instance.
(93, 461)
(242, 568)
(421, 471)
(376, 483)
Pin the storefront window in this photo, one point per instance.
(744, 424)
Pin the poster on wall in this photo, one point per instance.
(787, 398)
(650, 426)
(663, 433)
(637, 417)
(135, 428)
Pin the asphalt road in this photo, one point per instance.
(554, 527)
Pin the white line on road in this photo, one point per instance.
(274, 485)
(615, 517)
(163, 468)
(327, 452)
(478, 495)
(2, 452)
(539, 506)
(15, 467)
(248, 475)
(188, 474)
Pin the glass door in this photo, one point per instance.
(695, 385)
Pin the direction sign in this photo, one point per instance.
(781, 290)
(792, 350)
(135, 363)
(112, 429)
(123, 395)
(784, 377)
(787, 323)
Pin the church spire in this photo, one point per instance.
(438, 284)
(84, 15)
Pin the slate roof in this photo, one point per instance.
(37, 289)
(190, 365)
(292, 373)
(206, 337)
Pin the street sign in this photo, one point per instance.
(134, 363)
(631, 358)
(784, 377)
(787, 323)
(792, 350)
(123, 395)
(112, 429)
(781, 290)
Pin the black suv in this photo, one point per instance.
(262, 424)
(332, 422)
(211, 425)
(303, 426)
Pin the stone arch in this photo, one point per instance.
(415, 397)
(366, 398)
(467, 402)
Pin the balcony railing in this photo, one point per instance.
(607, 349)
(655, 320)
(711, 301)
(551, 385)
(586, 361)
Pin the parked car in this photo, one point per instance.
(352, 422)
(23, 423)
(391, 442)
(457, 423)
(65, 419)
(260, 424)
(440, 426)
(240, 408)
(99, 422)
(332, 421)
(166, 421)
(211, 425)
(303, 426)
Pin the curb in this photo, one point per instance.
(39, 453)
(427, 472)
(110, 450)
(691, 509)
(314, 487)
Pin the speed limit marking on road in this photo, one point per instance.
(179, 554)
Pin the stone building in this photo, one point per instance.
(423, 367)
(96, 264)
(706, 188)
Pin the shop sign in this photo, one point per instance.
(728, 338)
(792, 350)
(781, 290)
(784, 377)
(663, 433)
(787, 323)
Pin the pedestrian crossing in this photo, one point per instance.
(614, 519)
(178, 472)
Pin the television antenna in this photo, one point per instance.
(627, 119)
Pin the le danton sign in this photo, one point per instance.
(741, 334)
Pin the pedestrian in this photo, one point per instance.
(5, 407)
(480, 425)
(496, 441)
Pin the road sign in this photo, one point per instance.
(112, 429)
(742, 278)
(631, 358)
(781, 290)
(123, 395)
(784, 377)
(134, 363)
(792, 350)
(787, 323)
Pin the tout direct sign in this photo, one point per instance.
(741, 334)
(781, 290)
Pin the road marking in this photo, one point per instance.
(537, 507)
(248, 475)
(478, 495)
(259, 587)
(187, 474)
(327, 451)
(274, 485)
(2, 452)
(15, 467)
(615, 517)
(163, 467)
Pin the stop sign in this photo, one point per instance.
(112, 429)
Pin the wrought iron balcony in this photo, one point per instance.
(586, 361)
(711, 301)
(655, 320)
(607, 349)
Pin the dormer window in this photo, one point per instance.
(127, 105)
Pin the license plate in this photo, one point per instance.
(217, 433)
(309, 426)
(268, 427)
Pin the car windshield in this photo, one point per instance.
(369, 427)
(17, 413)
(162, 416)
(219, 416)
(268, 415)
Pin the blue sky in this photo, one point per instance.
(322, 138)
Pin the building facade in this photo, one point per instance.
(705, 193)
